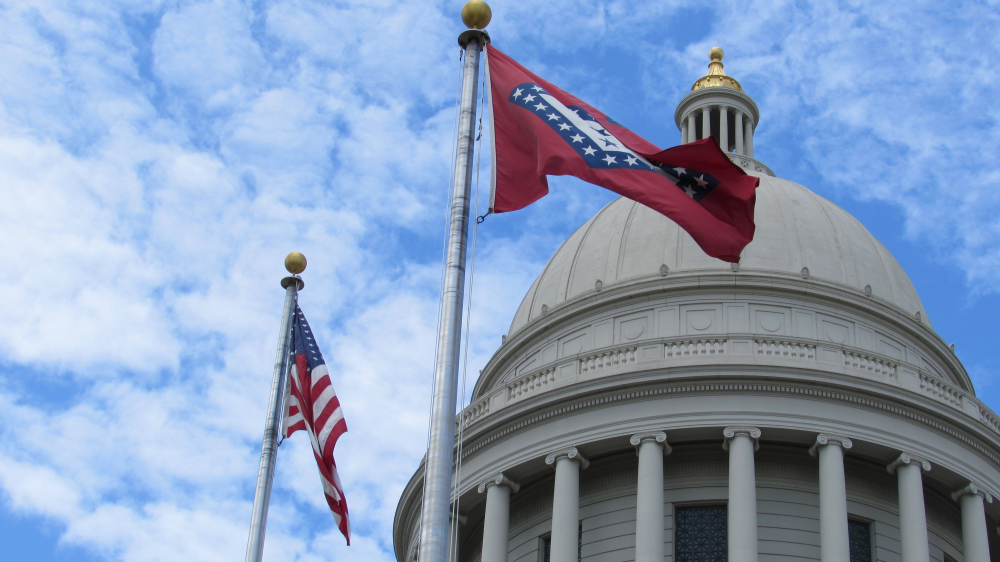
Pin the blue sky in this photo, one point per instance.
(159, 159)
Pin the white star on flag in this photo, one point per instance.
(517, 93)
(589, 150)
(577, 137)
(529, 98)
(609, 159)
(541, 106)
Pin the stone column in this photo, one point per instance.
(684, 132)
(496, 525)
(566, 503)
(741, 442)
(706, 122)
(975, 541)
(649, 496)
(912, 514)
(739, 132)
(748, 137)
(692, 128)
(724, 129)
(834, 543)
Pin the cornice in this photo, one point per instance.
(694, 282)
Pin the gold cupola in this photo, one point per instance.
(716, 76)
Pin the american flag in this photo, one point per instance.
(313, 406)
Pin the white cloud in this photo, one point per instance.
(158, 161)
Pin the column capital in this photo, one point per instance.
(572, 454)
(734, 430)
(657, 437)
(827, 439)
(499, 480)
(972, 489)
(909, 458)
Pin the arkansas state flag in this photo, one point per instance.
(540, 130)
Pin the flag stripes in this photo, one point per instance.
(312, 406)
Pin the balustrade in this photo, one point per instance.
(778, 348)
(690, 348)
(868, 363)
(940, 390)
(529, 384)
(608, 359)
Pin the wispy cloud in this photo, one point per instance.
(158, 160)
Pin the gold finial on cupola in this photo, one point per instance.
(716, 76)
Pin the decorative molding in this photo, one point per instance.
(827, 439)
(540, 504)
(732, 431)
(572, 454)
(909, 458)
(657, 437)
(499, 480)
(786, 471)
(677, 470)
(750, 164)
(972, 489)
(614, 480)
(856, 399)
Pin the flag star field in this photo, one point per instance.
(158, 160)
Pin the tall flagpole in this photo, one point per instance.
(441, 446)
(295, 263)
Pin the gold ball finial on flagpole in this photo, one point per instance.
(476, 14)
(295, 263)
(716, 53)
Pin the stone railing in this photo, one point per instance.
(608, 359)
(531, 383)
(475, 411)
(869, 363)
(941, 390)
(790, 349)
(692, 348)
(989, 419)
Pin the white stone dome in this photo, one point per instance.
(798, 234)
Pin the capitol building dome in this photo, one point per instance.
(653, 404)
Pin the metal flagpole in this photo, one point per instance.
(295, 263)
(440, 448)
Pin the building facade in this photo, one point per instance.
(653, 404)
